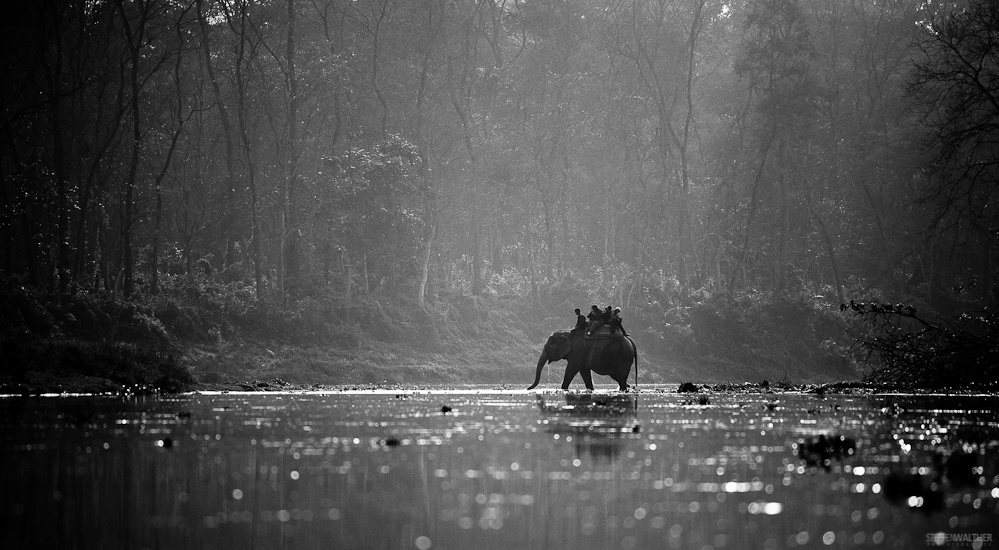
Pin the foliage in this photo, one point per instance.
(373, 201)
(956, 80)
(784, 332)
(138, 368)
(777, 60)
(80, 335)
(358, 170)
(903, 345)
(444, 140)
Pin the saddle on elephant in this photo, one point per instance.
(603, 331)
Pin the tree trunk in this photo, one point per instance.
(428, 243)
(684, 222)
(741, 254)
(429, 210)
(227, 133)
(348, 276)
(158, 214)
(59, 166)
(467, 138)
(5, 228)
(135, 41)
(291, 259)
(248, 152)
(476, 260)
(832, 254)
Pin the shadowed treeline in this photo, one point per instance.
(726, 172)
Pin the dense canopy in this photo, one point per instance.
(652, 149)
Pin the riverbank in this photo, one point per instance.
(82, 385)
(244, 366)
(213, 336)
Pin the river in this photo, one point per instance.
(494, 468)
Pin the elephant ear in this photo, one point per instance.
(559, 347)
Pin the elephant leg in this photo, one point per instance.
(587, 379)
(569, 375)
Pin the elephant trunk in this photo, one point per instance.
(541, 364)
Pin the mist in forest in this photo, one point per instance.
(646, 153)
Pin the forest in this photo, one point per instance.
(419, 180)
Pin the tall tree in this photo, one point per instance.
(177, 127)
(246, 49)
(777, 66)
(288, 226)
(137, 22)
(957, 81)
(220, 103)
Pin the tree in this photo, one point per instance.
(648, 149)
(220, 103)
(660, 38)
(135, 26)
(956, 80)
(777, 65)
(176, 127)
(371, 202)
(246, 48)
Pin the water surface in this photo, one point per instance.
(481, 468)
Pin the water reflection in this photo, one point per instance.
(598, 424)
(495, 469)
(946, 458)
(822, 450)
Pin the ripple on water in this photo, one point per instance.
(500, 469)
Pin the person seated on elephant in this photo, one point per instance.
(580, 321)
(615, 322)
(591, 316)
(594, 313)
(609, 317)
(600, 318)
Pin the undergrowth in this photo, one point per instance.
(903, 345)
(211, 332)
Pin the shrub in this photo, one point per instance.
(24, 311)
(774, 329)
(904, 346)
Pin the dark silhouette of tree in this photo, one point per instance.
(957, 82)
(653, 153)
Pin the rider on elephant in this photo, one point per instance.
(615, 322)
(609, 317)
(594, 313)
(580, 321)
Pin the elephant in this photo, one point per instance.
(607, 355)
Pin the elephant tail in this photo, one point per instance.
(635, 346)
